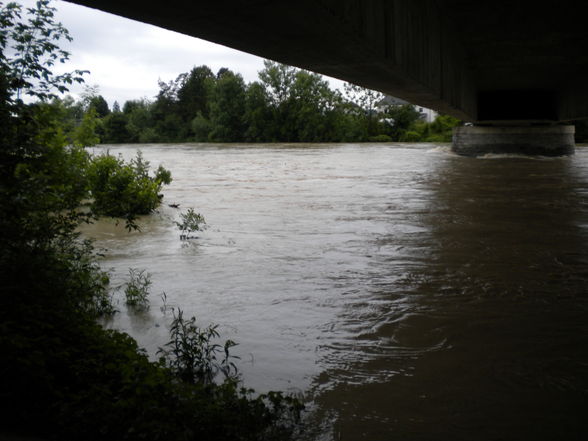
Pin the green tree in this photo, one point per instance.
(227, 109)
(363, 104)
(297, 106)
(258, 115)
(201, 128)
(402, 117)
(85, 134)
(115, 128)
(310, 106)
(125, 190)
(32, 42)
(441, 129)
(140, 121)
(194, 93)
(61, 114)
(100, 105)
(277, 79)
(165, 112)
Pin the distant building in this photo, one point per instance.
(427, 115)
(389, 100)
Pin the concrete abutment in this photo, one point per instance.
(553, 140)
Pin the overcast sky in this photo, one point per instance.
(126, 58)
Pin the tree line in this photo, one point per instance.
(285, 104)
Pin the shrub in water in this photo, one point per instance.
(192, 354)
(190, 222)
(137, 289)
(121, 189)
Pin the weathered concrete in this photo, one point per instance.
(552, 140)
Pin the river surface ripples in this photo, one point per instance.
(407, 293)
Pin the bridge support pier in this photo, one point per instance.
(553, 140)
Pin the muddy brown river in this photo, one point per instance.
(405, 292)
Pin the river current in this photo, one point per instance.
(405, 292)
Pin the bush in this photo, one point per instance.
(192, 355)
(85, 134)
(125, 190)
(190, 222)
(439, 138)
(410, 136)
(137, 289)
(380, 138)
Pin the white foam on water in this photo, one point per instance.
(441, 149)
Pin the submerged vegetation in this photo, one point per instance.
(137, 289)
(124, 190)
(192, 353)
(64, 376)
(190, 223)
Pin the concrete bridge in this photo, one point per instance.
(515, 69)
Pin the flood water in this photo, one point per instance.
(407, 293)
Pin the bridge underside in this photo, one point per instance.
(491, 63)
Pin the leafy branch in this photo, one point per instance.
(192, 354)
(34, 47)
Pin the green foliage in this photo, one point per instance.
(190, 223)
(312, 102)
(227, 108)
(440, 130)
(100, 106)
(193, 95)
(85, 133)
(137, 289)
(363, 104)
(140, 118)
(163, 175)
(106, 388)
(115, 128)
(201, 127)
(125, 190)
(32, 42)
(258, 114)
(404, 117)
(438, 138)
(410, 136)
(277, 80)
(192, 355)
(380, 138)
(285, 105)
(292, 105)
